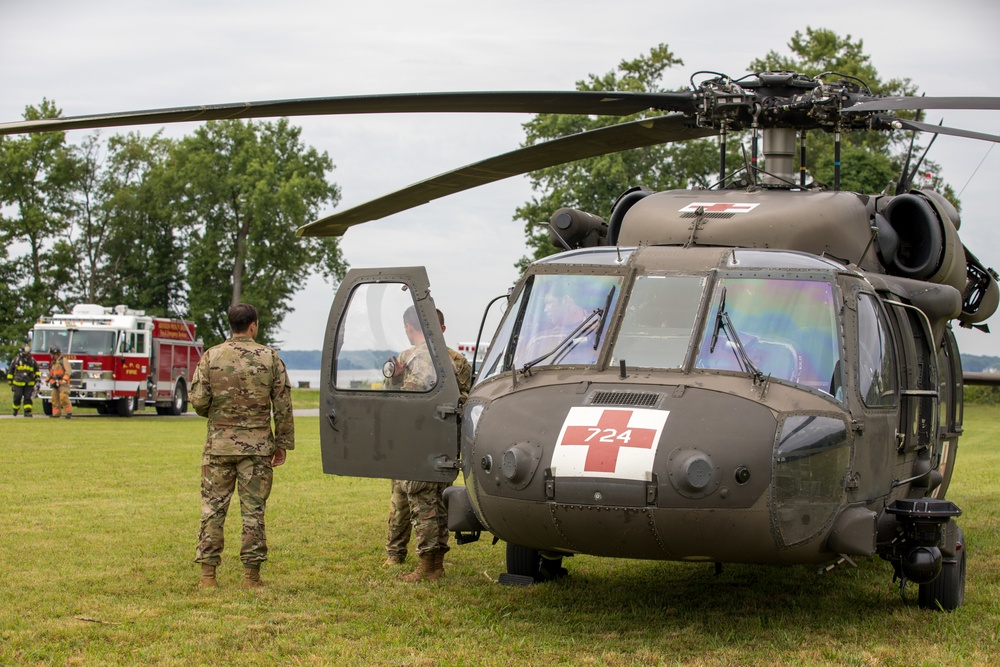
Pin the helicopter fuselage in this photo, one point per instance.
(683, 401)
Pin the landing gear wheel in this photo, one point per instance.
(126, 406)
(523, 561)
(526, 562)
(947, 592)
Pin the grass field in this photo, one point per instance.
(97, 539)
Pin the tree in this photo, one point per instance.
(242, 190)
(146, 245)
(40, 175)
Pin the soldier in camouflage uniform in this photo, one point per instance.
(413, 504)
(239, 385)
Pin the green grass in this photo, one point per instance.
(97, 540)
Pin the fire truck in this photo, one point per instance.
(122, 360)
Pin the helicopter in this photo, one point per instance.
(761, 372)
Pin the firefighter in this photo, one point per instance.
(22, 375)
(59, 375)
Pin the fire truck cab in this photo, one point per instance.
(122, 360)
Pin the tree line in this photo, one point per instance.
(176, 227)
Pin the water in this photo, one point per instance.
(312, 376)
(298, 376)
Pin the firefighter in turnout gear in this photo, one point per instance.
(22, 375)
(59, 375)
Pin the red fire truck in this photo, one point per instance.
(122, 360)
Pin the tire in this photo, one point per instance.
(126, 406)
(47, 408)
(523, 561)
(947, 592)
(180, 403)
(102, 408)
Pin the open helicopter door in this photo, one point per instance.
(388, 393)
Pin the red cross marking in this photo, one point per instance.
(719, 208)
(609, 435)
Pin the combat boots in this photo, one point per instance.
(427, 569)
(207, 577)
(439, 562)
(251, 577)
(394, 559)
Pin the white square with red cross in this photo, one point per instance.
(608, 442)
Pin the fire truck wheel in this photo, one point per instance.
(126, 406)
(47, 408)
(180, 403)
(102, 408)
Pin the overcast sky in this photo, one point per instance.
(100, 56)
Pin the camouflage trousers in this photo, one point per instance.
(60, 400)
(220, 476)
(417, 507)
(23, 394)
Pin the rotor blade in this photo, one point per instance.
(938, 129)
(889, 103)
(587, 102)
(634, 134)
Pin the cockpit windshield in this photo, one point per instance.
(658, 323)
(786, 327)
(558, 319)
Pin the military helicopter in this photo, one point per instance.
(762, 372)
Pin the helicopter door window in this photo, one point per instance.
(876, 359)
(658, 322)
(565, 319)
(381, 342)
(787, 329)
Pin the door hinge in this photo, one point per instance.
(444, 463)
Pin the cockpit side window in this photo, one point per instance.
(876, 357)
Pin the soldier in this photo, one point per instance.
(59, 377)
(422, 500)
(239, 385)
(22, 374)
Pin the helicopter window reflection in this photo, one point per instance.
(787, 327)
(876, 360)
(381, 342)
(658, 322)
(566, 319)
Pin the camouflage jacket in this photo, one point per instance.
(418, 373)
(463, 373)
(237, 385)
